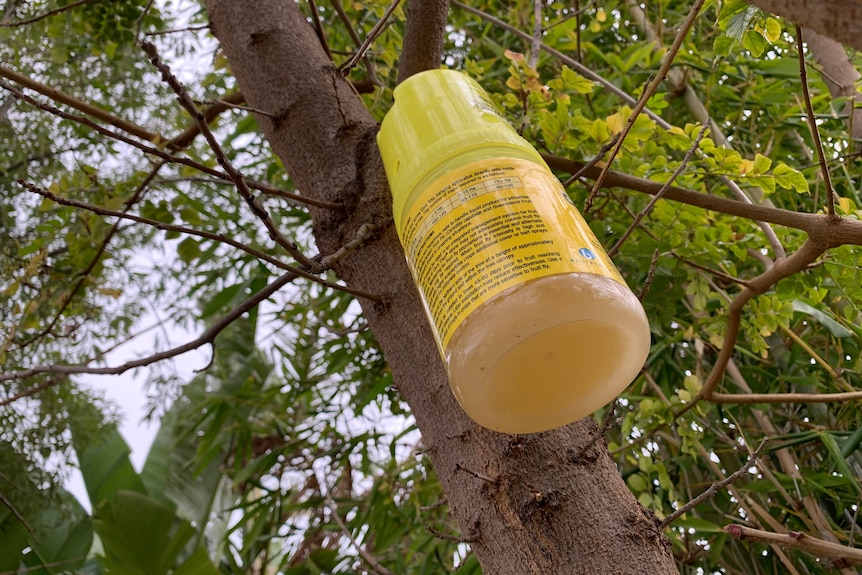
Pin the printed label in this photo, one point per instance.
(485, 227)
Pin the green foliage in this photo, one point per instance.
(296, 419)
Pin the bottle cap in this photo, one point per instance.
(438, 115)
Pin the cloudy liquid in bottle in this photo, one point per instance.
(534, 323)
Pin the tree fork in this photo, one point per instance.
(546, 512)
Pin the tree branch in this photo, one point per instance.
(812, 124)
(838, 19)
(749, 398)
(819, 226)
(423, 37)
(713, 489)
(648, 92)
(794, 263)
(80, 105)
(208, 337)
(170, 158)
(44, 15)
(372, 35)
(238, 179)
(842, 555)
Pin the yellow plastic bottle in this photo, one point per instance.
(535, 324)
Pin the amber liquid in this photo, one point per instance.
(548, 352)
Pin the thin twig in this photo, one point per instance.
(370, 69)
(140, 22)
(648, 92)
(812, 124)
(436, 505)
(568, 61)
(176, 30)
(713, 489)
(600, 433)
(370, 559)
(345, 68)
(467, 470)
(325, 262)
(238, 179)
(472, 538)
(362, 235)
(84, 275)
(80, 105)
(536, 46)
(817, 547)
(153, 151)
(612, 88)
(593, 161)
(650, 275)
(228, 104)
(44, 14)
(18, 516)
(208, 337)
(166, 227)
(648, 208)
(747, 398)
(318, 28)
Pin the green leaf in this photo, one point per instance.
(105, 465)
(698, 524)
(139, 535)
(772, 30)
(788, 178)
(826, 318)
(831, 445)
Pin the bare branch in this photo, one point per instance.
(748, 398)
(161, 153)
(239, 180)
(375, 32)
(370, 559)
(73, 102)
(812, 124)
(819, 226)
(796, 262)
(648, 92)
(208, 337)
(844, 556)
(648, 208)
(44, 15)
(713, 489)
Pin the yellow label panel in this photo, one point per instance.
(488, 226)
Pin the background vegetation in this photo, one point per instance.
(292, 452)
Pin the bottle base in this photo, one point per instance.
(578, 344)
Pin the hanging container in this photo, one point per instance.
(534, 323)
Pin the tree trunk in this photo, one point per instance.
(838, 19)
(528, 504)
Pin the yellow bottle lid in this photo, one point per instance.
(439, 115)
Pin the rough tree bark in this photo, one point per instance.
(528, 504)
(838, 19)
